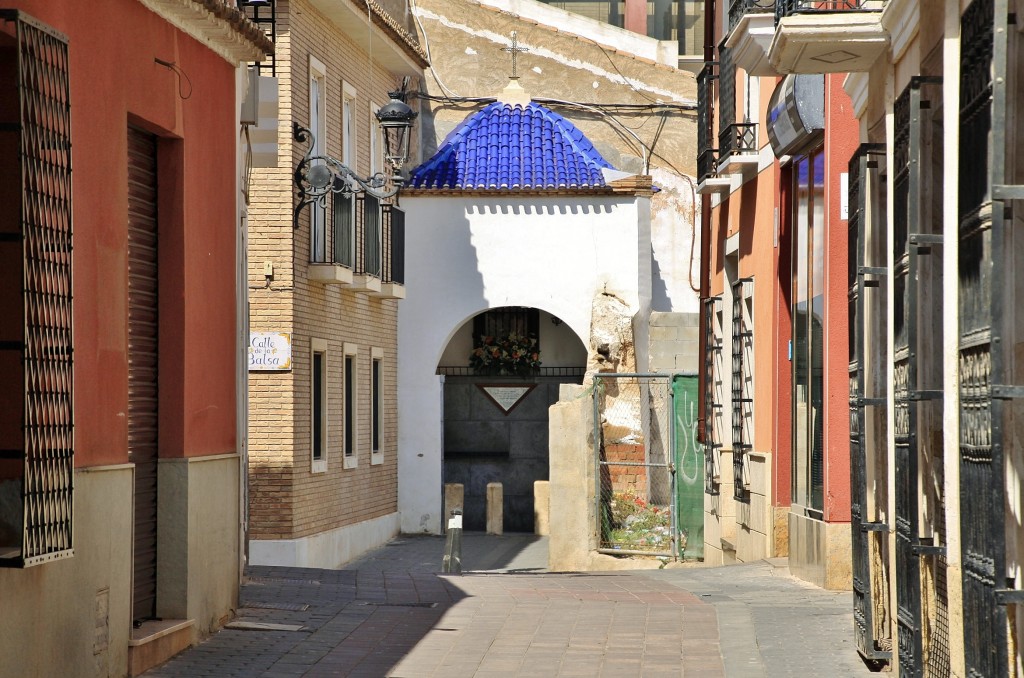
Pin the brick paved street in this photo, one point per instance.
(393, 614)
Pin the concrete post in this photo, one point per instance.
(453, 499)
(541, 508)
(495, 508)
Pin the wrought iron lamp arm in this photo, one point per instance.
(318, 176)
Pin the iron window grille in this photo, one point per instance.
(42, 465)
(740, 8)
(912, 243)
(742, 386)
(712, 408)
(500, 322)
(864, 168)
(263, 13)
(986, 285)
(706, 152)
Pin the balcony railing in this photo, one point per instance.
(364, 236)
(394, 245)
(706, 153)
(707, 164)
(738, 138)
(740, 8)
(784, 8)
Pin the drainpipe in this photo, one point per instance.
(705, 245)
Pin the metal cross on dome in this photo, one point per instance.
(515, 49)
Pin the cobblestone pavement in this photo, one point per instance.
(392, 614)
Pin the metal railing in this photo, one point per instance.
(706, 154)
(784, 8)
(263, 13)
(393, 218)
(738, 138)
(363, 235)
(740, 8)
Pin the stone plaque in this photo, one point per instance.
(506, 396)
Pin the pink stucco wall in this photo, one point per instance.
(115, 82)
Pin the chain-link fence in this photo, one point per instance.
(636, 490)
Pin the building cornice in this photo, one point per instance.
(223, 29)
(901, 19)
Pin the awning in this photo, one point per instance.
(796, 114)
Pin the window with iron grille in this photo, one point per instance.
(503, 321)
(36, 416)
(712, 396)
(742, 384)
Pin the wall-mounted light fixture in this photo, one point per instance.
(320, 175)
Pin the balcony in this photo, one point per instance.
(836, 36)
(751, 30)
(332, 242)
(364, 248)
(737, 149)
(708, 180)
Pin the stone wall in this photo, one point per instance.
(674, 342)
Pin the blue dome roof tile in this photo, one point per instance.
(505, 146)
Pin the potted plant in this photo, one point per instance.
(512, 354)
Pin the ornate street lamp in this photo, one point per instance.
(320, 175)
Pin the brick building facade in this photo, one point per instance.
(321, 494)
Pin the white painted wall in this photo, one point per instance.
(665, 52)
(464, 256)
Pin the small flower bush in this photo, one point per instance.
(513, 354)
(638, 525)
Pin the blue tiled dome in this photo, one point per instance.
(506, 147)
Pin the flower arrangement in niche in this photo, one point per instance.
(512, 354)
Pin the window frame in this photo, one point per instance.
(350, 406)
(376, 141)
(376, 406)
(349, 126)
(318, 464)
(318, 126)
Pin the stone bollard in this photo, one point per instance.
(453, 498)
(495, 508)
(541, 508)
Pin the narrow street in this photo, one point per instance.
(393, 614)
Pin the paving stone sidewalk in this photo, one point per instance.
(392, 614)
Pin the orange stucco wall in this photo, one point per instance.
(115, 82)
(841, 140)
